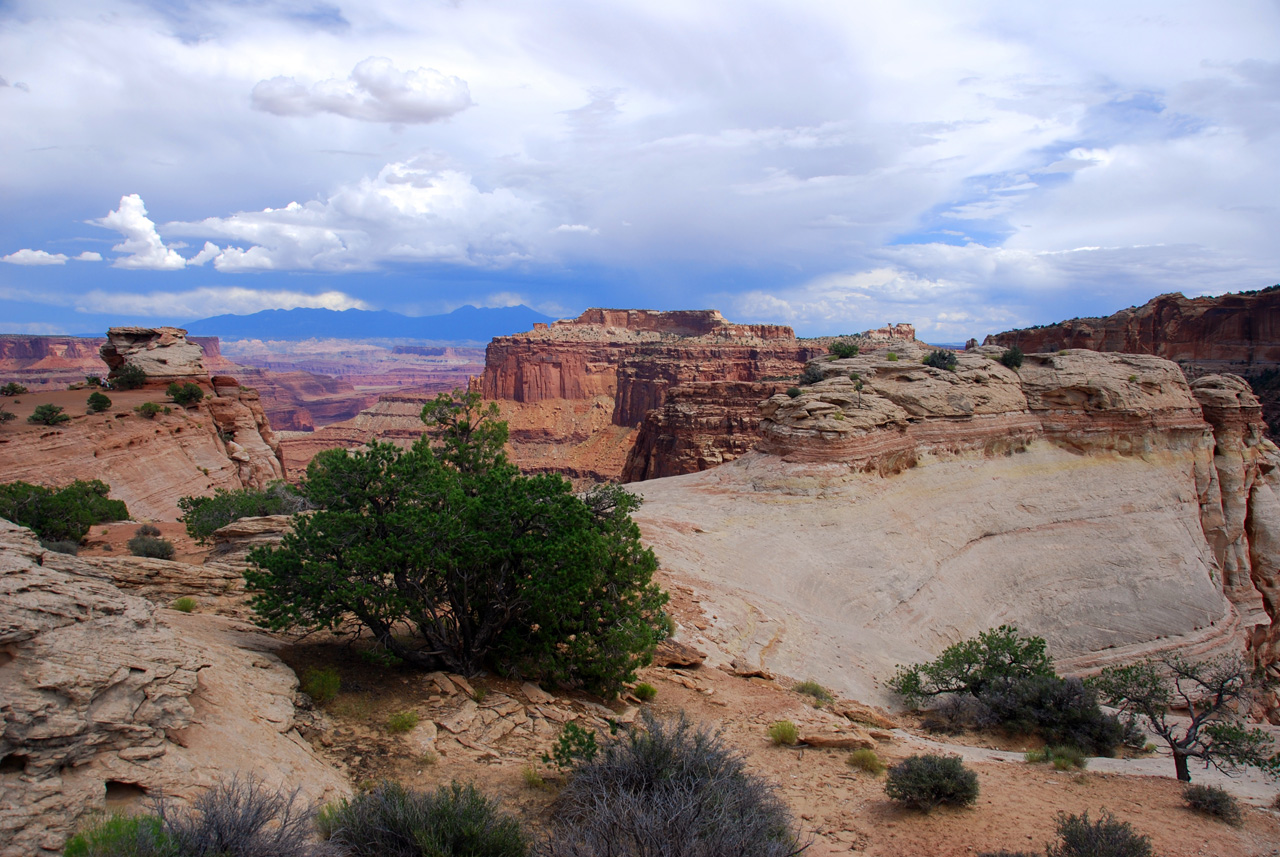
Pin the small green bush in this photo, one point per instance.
(321, 684)
(1214, 801)
(575, 746)
(784, 732)
(891, 357)
(123, 836)
(185, 394)
(866, 760)
(1012, 357)
(793, 392)
(148, 410)
(1063, 757)
(820, 694)
(941, 358)
(98, 403)
(926, 782)
(842, 349)
(62, 514)
(1106, 837)
(129, 377)
(48, 415)
(812, 374)
(5, 416)
(185, 604)
(147, 530)
(61, 546)
(13, 388)
(532, 779)
(151, 547)
(392, 821)
(644, 691)
(93, 380)
(402, 721)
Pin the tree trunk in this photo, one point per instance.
(1180, 765)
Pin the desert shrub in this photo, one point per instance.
(971, 666)
(670, 789)
(48, 415)
(151, 547)
(644, 691)
(98, 402)
(1012, 357)
(123, 836)
(812, 374)
(1060, 710)
(575, 746)
(62, 514)
(1214, 801)
(205, 515)
(13, 388)
(820, 694)
(1063, 757)
(185, 604)
(148, 410)
(783, 733)
(185, 394)
(532, 779)
(147, 530)
(61, 546)
(941, 358)
(128, 377)
(926, 782)
(1106, 837)
(842, 348)
(955, 713)
(866, 760)
(322, 684)
(402, 721)
(392, 821)
(891, 357)
(5, 416)
(793, 392)
(93, 380)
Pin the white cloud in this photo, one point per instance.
(576, 227)
(35, 328)
(376, 91)
(88, 256)
(146, 251)
(208, 301)
(34, 257)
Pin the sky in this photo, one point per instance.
(968, 167)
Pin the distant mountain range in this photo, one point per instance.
(465, 324)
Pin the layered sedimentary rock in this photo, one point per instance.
(163, 353)
(1235, 333)
(107, 699)
(887, 515)
(304, 401)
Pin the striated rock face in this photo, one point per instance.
(162, 352)
(303, 401)
(106, 699)
(627, 361)
(1095, 499)
(1236, 333)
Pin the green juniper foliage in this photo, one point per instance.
(185, 394)
(98, 402)
(128, 377)
(62, 514)
(941, 358)
(489, 567)
(48, 415)
(973, 665)
(205, 515)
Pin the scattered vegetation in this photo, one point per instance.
(812, 374)
(185, 604)
(146, 543)
(147, 530)
(98, 402)
(670, 790)
(891, 357)
(1012, 357)
(929, 781)
(13, 388)
(820, 694)
(62, 514)
(1106, 837)
(974, 665)
(1213, 690)
(322, 684)
(842, 349)
(5, 416)
(48, 415)
(575, 746)
(941, 358)
(392, 821)
(122, 836)
(487, 566)
(867, 761)
(532, 779)
(1061, 711)
(784, 733)
(149, 410)
(1214, 801)
(185, 394)
(205, 515)
(402, 721)
(1063, 757)
(644, 691)
(93, 380)
(61, 546)
(128, 377)
(793, 392)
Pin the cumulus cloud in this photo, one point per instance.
(34, 257)
(144, 249)
(576, 227)
(88, 256)
(376, 91)
(208, 301)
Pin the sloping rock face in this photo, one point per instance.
(560, 376)
(1236, 333)
(303, 401)
(106, 699)
(1080, 499)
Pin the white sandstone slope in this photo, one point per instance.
(1077, 499)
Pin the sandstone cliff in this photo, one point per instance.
(1236, 333)
(1095, 499)
(107, 699)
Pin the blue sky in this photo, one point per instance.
(965, 166)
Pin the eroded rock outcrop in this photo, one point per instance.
(106, 699)
(163, 353)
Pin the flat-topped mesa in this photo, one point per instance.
(163, 353)
(686, 324)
